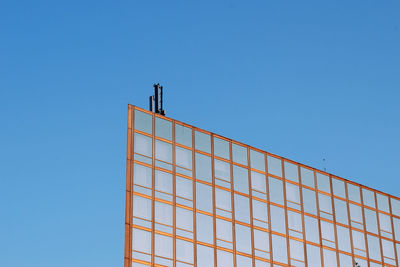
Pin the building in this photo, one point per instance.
(195, 198)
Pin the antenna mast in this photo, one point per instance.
(156, 101)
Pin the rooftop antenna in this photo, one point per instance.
(324, 163)
(156, 101)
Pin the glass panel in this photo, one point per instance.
(307, 177)
(143, 122)
(354, 193)
(203, 167)
(345, 260)
(325, 204)
(341, 211)
(261, 240)
(338, 188)
(202, 141)
(142, 175)
(143, 145)
(142, 207)
(164, 182)
(398, 253)
(223, 199)
(243, 238)
(385, 223)
(205, 256)
(395, 206)
(374, 248)
(141, 240)
(313, 256)
(163, 128)
(164, 151)
(328, 233)
(260, 210)
(358, 242)
(383, 202)
(183, 135)
(184, 187)
(309, 201)
(296, 250)
(295, 221)
(292, 193)
(242, 208)
(204, 198)
(184, 219)
(279, 249)
(221, 148)
(163, 213)
(164, 246)
(311, 229)
(396, 225)
(278, 222)
(258, 182)
(356, 216)
(368, 198)
(184, 251)
(222, 170)
(329, 258)
(241, 179)
(371, 221)
(275, 166)
(184, 157)
(388, 250)
(323, 182)
(257, 160)
(343, 235)
(205, 228)
(224, 258)
(239, 154)
(243, 261)
(291, 172)
(276, 190)
(224, 230)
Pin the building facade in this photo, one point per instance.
(195, 198)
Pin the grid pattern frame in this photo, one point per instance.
(195, 198)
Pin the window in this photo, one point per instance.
(383, 202)
(329, 258)
(223, 202)
(203, 167)
(143, 122)
(222, 173)
(163, 185)
(143, 146)
(354, 193)
(323, 182)
(371, 222)
(328, 234)
(259, 185)
(279, 250)
(241, 179)
(257, 160)
(163, 151)
(202, 141)
(204, 197)
(388, 252)
(184, 191)
(296, 252)
(395, 206)
(183, 135)
(205, 256)
(163, 128)
(359, 243)
(368, 198)
(276, 190)
(221, 148)
(142, 179)
(374, 248)
(164, 246)
(356, 216)
(224, 258)
(224, 233)
(313, 256)
(293, 196)
(325, 206)
(291, 172)
(338, 188)
(242, 208)
(141, 244)
(205, 228)
(275, 166)
(184, 222)
(385, 224)
(343, 235)
(261, 243)
(184, 160)
(307, 177)
(142, 210)
(341, 211)
(295, 224)
(278, 221)
(164, 214)
(239, 154)
(243, 238)
(184, 251)
(309, 201)
(260, 213)
(311, 229)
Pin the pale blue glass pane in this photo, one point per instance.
(257, 160)
(143, 122)
(243, 238)
(224, 258)
(398, 253)
(184, 251)
(356, 213)
(242, 208)
(142, 207)
(203, 167)
(223, 199)
(368, 198)
(385, 223)
(143, 145)
(395, 206)
(204, 198)
(205, 256)
(343, 238)
(371, 221)
(243, 261)
(388, 249)
(241, 179)
(164, 246)
(341, 211)
(164, 182)
(203, 141)
(142, 175)
(184, 187)
(183, 135)
(291, 172)
(354, 193)
(374, 248)
(260, 210)
(338, 188)
(295, 221)
(221, 148)
(328, 232)
(329, 258)
(164, 151)
(184, 219)
(163, 213)
(325, 203)
(278, 221)
(345, 260)
(313, 256)
(275, 166)
(323, 182)
(292, 193)
(396, 225)
(224, 230)
(311, 229)
(141, 240)
(163, 128)
(307, 177)
(205, 228)
(184, 157)
(310, 202)
(276, 190)
(239, 154)
(279, 248)
(258, 181)
(358, 240)
(383, 202)
(222, 170)
(261, 240)
(296, 250)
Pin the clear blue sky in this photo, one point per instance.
(303, 79)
